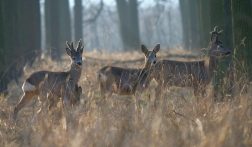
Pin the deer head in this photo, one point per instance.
(150, 56)
(75, 54)
(216, 48)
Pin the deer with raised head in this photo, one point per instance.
(51, 86)
(127, 81)
(195, 74)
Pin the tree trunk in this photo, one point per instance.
(184, 9)
(228, 33)
(52, 28)
(11, 43)
(122, 8)
(216, 14)
(78, 20)
(190, 23)
(2, 52)
(217, 19)
(3, 85)
(134, 26)
(241, 14)
(204, 12)
(19, 38)
(224, 75)
(64, 22)
(29, 30)
(129, 28)
(194, 31)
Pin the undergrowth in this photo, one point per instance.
(180, 120)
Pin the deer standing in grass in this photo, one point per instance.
(195, 74)
(126, 81)
(54, 85)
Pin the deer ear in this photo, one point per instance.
(144, 49)
(220, 32)
(156, 48)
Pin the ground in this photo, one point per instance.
(180, 120)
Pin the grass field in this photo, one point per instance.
(179, 121)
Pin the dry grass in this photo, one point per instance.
(180, 120)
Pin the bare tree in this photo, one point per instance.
(78, 19)
(241, 15)
(20, 38)
(190, 22)
(128, 17)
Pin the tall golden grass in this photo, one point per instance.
(179, 121)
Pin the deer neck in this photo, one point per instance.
(147, 69)
(213, 63)
(145, 74)
(210, 65)
(148, 66)
(74, 75)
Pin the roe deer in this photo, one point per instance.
(127, 81)
(195, 74)
(54, 85)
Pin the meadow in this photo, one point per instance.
(180, 120)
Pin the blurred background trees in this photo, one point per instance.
(78, 16)
(129, 28)
(122, 25)
(58, 30)
(20, 38)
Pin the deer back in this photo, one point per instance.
(177, 73)
(53, 81)
(124, 81)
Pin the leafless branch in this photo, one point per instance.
(90, 20)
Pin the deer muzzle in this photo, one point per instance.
(228, 53)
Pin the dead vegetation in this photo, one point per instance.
(179, 121)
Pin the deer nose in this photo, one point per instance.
(79, 63)
(154, 62)
(228, 53)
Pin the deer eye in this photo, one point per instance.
(81, 57)
(155, 56)
(73, 58)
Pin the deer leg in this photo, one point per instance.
(195, 91)
(102, 91)
(203, 91)
(26, 98)
(51, 104)
(158, 90)
(52, 101)
(107, 96)
(137, 98)
(103, 95)
(106, 92)
(42, 98)
(76, 95)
